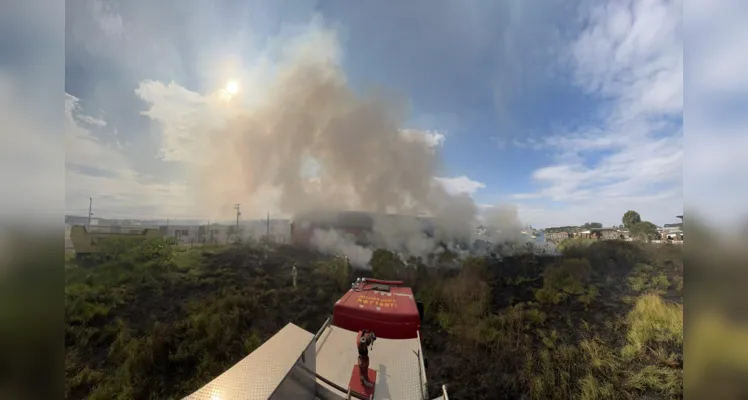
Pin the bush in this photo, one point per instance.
(644, 278)
(568, 279)
(578, 268)
(574, 247)
(130, 253)
(386, 265)
(467, 295)
(338, 270)
(549, 295)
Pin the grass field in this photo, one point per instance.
(603, 322)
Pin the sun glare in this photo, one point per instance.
(232, 87)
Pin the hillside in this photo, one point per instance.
(603, 321)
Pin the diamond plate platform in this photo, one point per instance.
(398, 377)
(264, 372)
(357, 386)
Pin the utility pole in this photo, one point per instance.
(237, 207)
(267, 231)
(90, 213)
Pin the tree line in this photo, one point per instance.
(632, 221)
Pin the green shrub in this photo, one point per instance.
(386, 265)
(578, 268)
(132, 251)
(574, 247)
(549, 295)
(338, 270)
(645, 278)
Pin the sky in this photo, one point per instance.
(569, 111)
(572, 112)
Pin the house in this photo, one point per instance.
(556, 236)
(199, 234)
(183, 234)
(605, 233)
(671, 233)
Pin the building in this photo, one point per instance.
(556, 236)
(199, 234)
(605, 233)
(672, 233)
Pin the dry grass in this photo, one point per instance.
(653, 321)
(163, 327)
(580, 336)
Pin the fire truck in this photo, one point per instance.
(298, 364)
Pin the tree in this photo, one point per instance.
(631, 218)
(592, 225)
(644, 230)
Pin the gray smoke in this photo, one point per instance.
(504, 225)
(313, 143)
(331, 241)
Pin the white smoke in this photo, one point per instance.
(402, 235)
(503, 224)
(330, 241)
(312, 143)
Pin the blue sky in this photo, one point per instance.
(568, 111)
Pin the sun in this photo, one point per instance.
(232, 87)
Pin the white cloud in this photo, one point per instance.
(431, 139)
(102, 171)
(272, 134)
(83, 147)
(630, 54)
(633, 51)
(658, 208)
(527, 143)
(186, 118)
(461, 184)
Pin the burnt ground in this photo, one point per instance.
(165, 330)
(532, 347)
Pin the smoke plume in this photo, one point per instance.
(503, 223)
(335, 242)
(313, 143)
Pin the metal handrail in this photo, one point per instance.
(421, 368)
(322, 329)
(335, 385)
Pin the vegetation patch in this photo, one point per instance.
(150, 320)
(645, 278)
